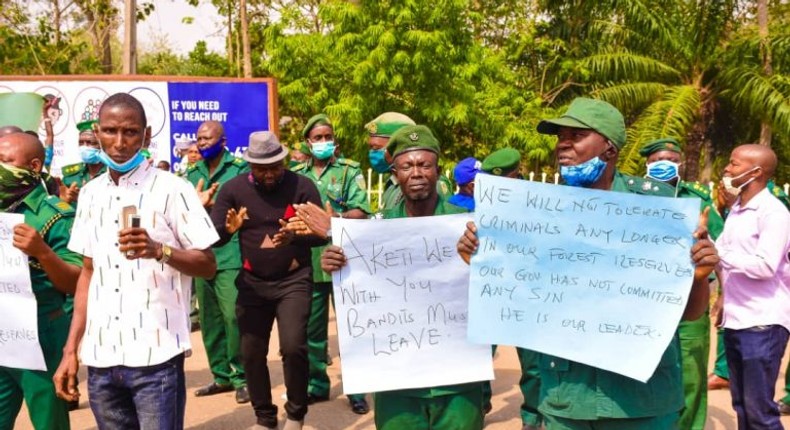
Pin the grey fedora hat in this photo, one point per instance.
(264, 148)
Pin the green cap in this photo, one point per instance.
(388, 123)
(664, 144)
(591, 114)
(86, 125)
(411, 138)
(319, 119)
(501, 161)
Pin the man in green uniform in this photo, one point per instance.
(217, 296)
(664, 158)
(506, 162)
(53, 274)
(77, 175)
(341, 183)
(574, 395)
(380, 130)
(415, 153)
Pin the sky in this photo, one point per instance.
(165, 26)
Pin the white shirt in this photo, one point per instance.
(138, 310)
(755, 264)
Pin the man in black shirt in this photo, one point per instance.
(276, 276)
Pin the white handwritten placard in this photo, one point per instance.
(596, 277)
(19, 347)
(401, 305)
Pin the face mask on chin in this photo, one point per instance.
(211, 152)
(731, 189)
(124, 167)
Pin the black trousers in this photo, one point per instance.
(256, 309)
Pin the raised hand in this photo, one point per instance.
(234, 219)
(206, 196)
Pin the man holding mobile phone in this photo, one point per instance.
(131, 313)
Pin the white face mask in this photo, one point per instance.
(732, 189)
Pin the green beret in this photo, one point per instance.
(501, 161)
(388, 123)
(319, 119)
(664, 144)
(86, 125)
(591, 114)
(410, 138)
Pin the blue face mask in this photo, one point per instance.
(90, 155)
(378, 160)
(584, 174)
(124, 167)
(662, 170)
(211, 152)
(323, 150)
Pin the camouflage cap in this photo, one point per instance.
(388, 123)
(410, 138)
(664, 144)
(501, 161)
(591, 114)
(320, 119)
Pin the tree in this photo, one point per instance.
(681, 68)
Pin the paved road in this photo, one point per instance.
(221, 412)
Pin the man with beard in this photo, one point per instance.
(276, 276)
(217, 296)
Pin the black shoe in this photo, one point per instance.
(212, 388)
(784, 408)
(73, 405)
(312, 398)
(242, 395)
(487, 408)
(359, 407)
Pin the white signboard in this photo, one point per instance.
(401, 305)
(19, 347)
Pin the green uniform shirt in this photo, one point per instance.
(442, 208)
(52, 218)
(341, 183)
(779, 193)
(393, 195)
(695, 189)
(78, 174)
(580, 392)
(228, 255)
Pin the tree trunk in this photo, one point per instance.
(230, 38)
(765, 50)
(245, 39)
(698, 138)
(56, 20)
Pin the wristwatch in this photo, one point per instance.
(167, 252)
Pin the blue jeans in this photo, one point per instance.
(145, 398)
(753, 357)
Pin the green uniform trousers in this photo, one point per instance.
(47, 411)
(318, 341)
(394, 411)
(694, 349)
(217, 312)
(786, 398)
(720, 368)
(664, 422)
(529, 384)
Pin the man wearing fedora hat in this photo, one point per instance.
(276, 276)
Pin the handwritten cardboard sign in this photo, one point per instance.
(596, 277)
(19, 347)
(401, 305)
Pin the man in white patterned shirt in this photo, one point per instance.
(132, 299)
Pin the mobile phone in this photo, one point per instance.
(134, 221)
